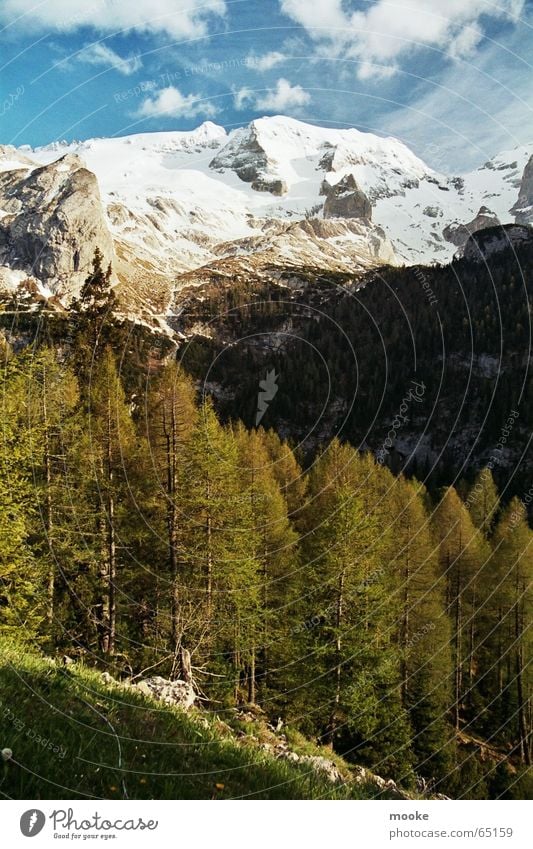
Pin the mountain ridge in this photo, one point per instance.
(277, 192)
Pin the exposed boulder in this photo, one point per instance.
(458, 234)
(275, 187)
(323, 767)
(345, 200)
(53, 221)
(385, 788)
(523, 208)
(178, 693)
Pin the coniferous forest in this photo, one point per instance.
(377, 617)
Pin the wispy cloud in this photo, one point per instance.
(282, 98)
(171, 103)
(472, 112)
(100, 54)
(389, 30)
(267, 61)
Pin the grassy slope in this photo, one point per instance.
(111, 741)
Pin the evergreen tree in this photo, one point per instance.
(92, 314)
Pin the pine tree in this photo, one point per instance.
(92, 313)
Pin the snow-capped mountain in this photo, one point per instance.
(278, 191)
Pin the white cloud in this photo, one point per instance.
(171, 103)
(465, 43)
(100, 54)
(267, 61)
(390, 29)
(283, 97)
(243, 97)
(178, 18)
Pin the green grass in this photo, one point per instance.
(111, 742)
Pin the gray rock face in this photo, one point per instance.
(244, 155)
(523, 208)
(346, 200)
(482, 245)
(458, 234)
(52, 224)
(178, 693)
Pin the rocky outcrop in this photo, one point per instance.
(178, 693)
(345, 200)
(275, 187)
(458, 234)
(523, 208)
(244, 155)
(385, 788)
(483, 245)
(53, 220)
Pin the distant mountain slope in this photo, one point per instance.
(347, 353)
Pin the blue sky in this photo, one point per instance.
(452, 79)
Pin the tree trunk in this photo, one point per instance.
(111, 538)
(209, 553)
(49, 520)
(405, 631)
(251, 679)
(338, 655)
(112, 576)
(458, 651)
(171, 438)
(523, 736)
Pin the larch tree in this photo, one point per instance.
(463, 553)
(276, 552)
(513, 558)
(423, 628)
(171, 417)
(112, 439)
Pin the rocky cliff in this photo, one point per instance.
(52, 220)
